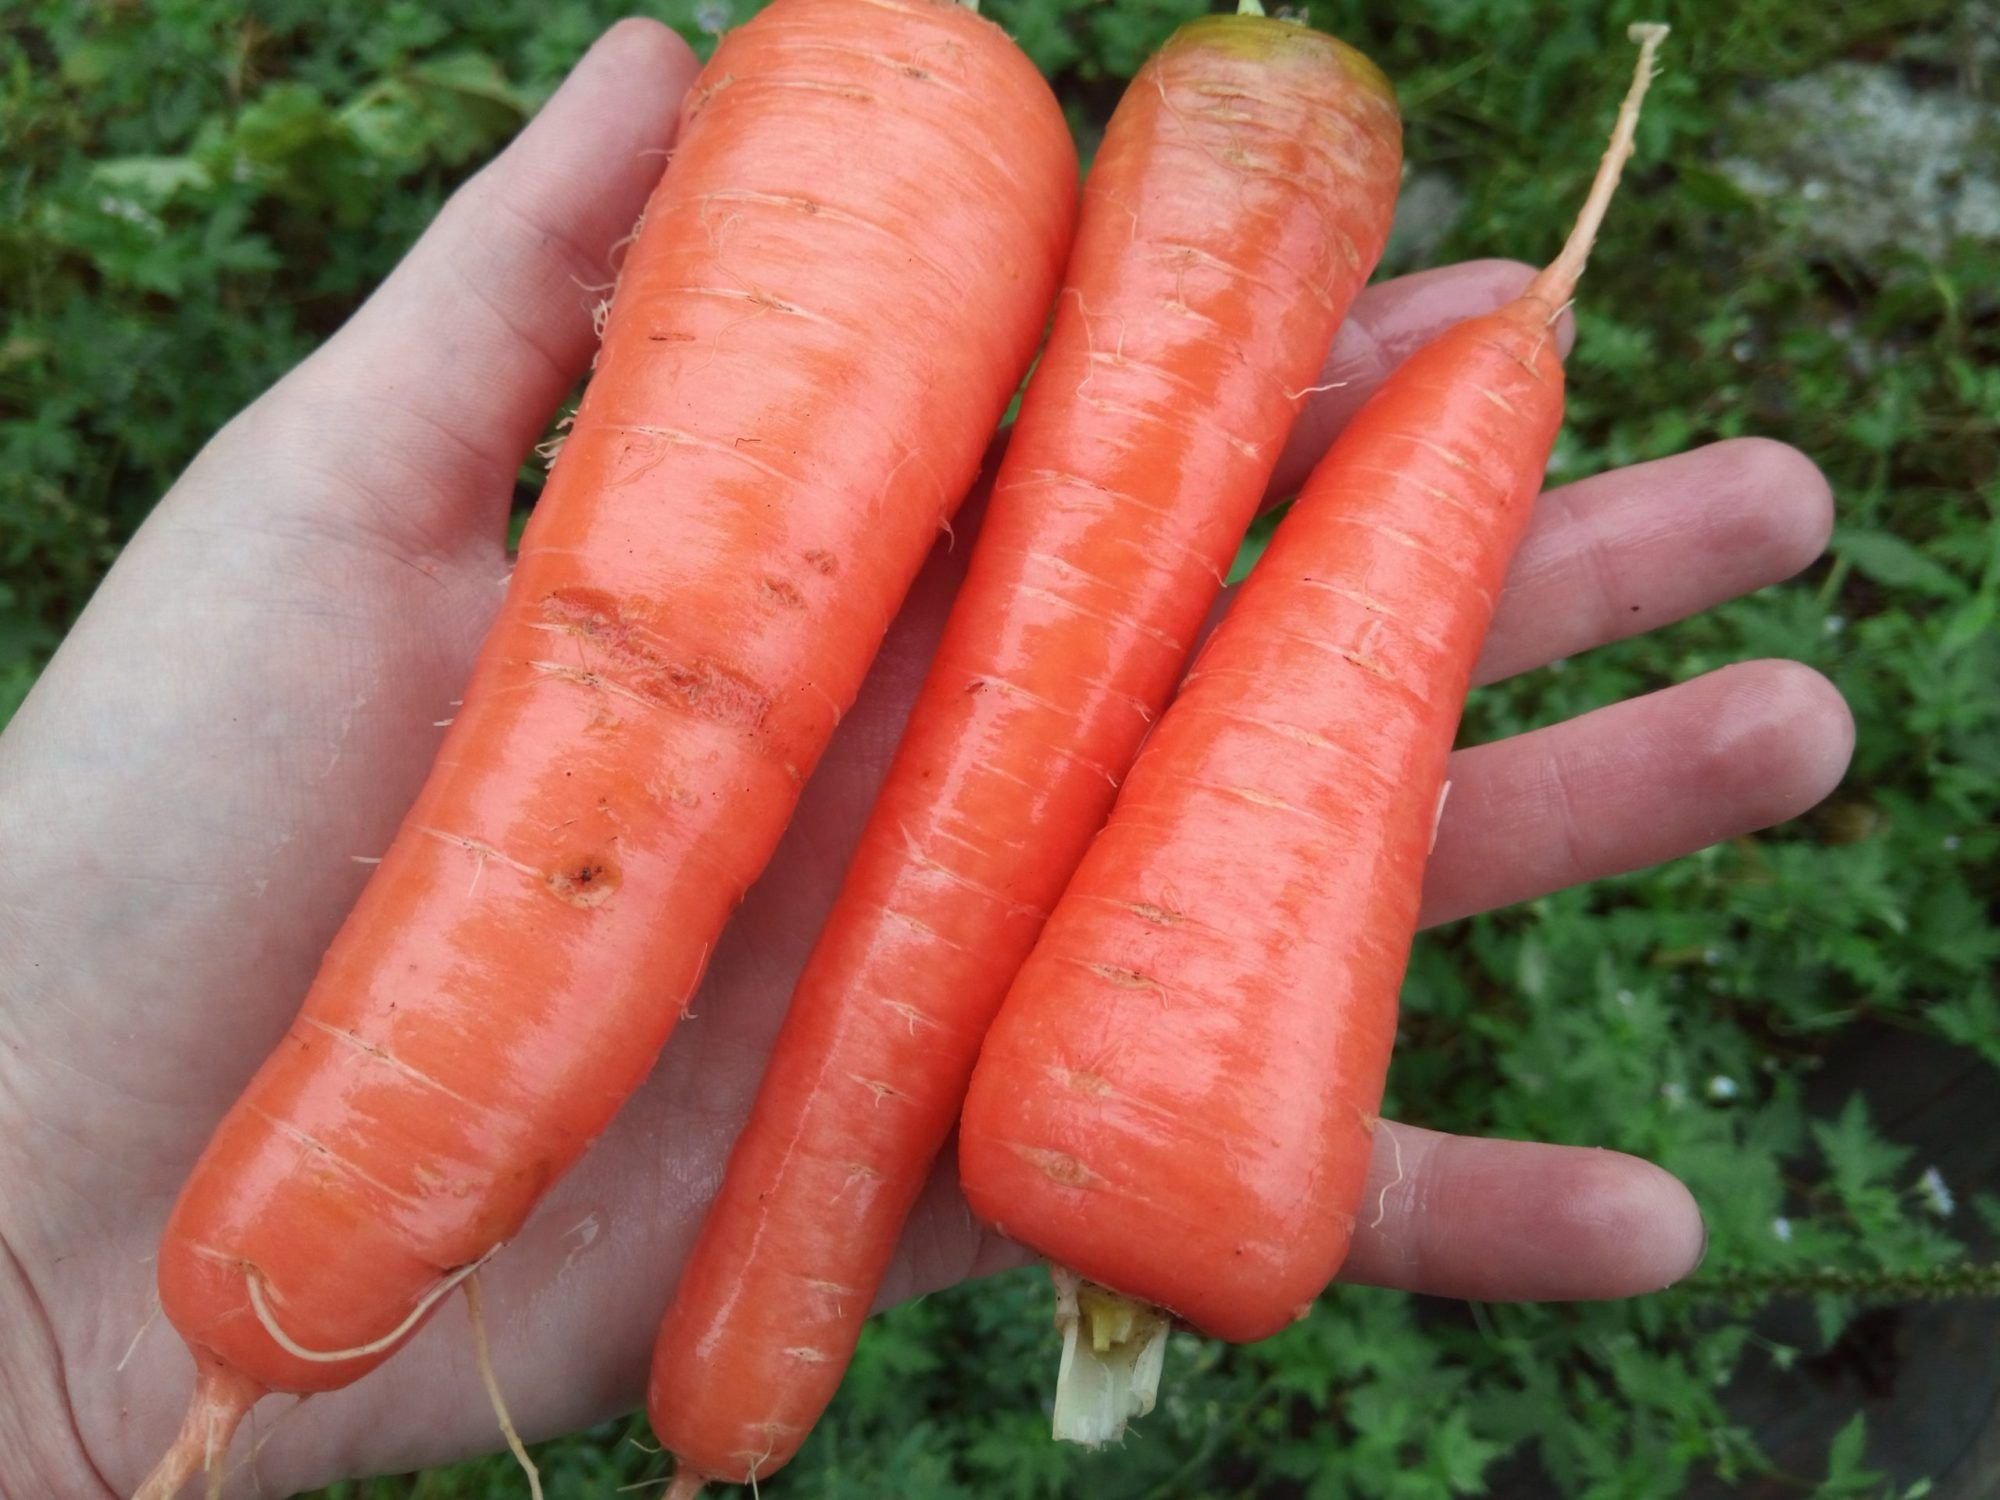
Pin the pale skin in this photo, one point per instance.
(248, 705)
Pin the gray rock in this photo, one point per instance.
(1858, 161)
(1427, 209)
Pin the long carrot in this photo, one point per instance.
(841, 277)
(1240, 198)
(1178, 1100)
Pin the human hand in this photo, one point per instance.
(250, 702)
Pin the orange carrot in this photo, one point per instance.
(1240, 198)
(1178, 1099)
(841, 277)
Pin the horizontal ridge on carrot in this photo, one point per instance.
(1240, 198)
(840, 279)
(1177, 1102)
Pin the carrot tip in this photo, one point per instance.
(1113, 1352)
(687, 1484)
(1557, 282)
(222, 1396)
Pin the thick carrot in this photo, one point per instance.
(1178, 1100)
(1240, 198)
(841, 278)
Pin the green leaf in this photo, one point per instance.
(156, 178)
(476, 75)
(1845, 1474)
(1971, 1020)
(1894, 563)
(1459, 1457)
(1857, 1157)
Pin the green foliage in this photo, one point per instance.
(195, 192)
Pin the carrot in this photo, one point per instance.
(1177, 1101)
(1240, 198)
(841, 277)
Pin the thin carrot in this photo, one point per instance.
(1241, 196)
(1178, 1100)
(841, 277)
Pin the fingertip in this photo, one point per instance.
(1643, 1222)
(1781, 741)
(1784, 501)
(646, 45)
(1515, 1221)
(629, 82)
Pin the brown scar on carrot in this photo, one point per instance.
(701, 97)
(782, 592)
(1057, 1166)
(586, 882)
(1126, 979)
(1084, 1083)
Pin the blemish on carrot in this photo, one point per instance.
(1094, 1084)
(589, 610)
(1057, 1166)
(584, 882)
(1126, 979)
(780, 592)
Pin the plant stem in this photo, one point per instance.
(1963, 1280)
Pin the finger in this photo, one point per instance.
(1511, 1221)
(452, 369)
(1450, 1216)
(1621, 553)
(1642, 781)
(1387, 324)
(942, 1242)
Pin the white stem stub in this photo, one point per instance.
(1112, 1354)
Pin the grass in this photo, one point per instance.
(1680, 1013)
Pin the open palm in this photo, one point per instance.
(188, 799)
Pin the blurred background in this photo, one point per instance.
(1803, 1025)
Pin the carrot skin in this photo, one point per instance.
(839, 281)
(1240, 198)
(1179, 1096)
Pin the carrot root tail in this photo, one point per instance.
(475, 1314)
(222, 1397)
(687, 1484)
(1113, 1351)
(260, 1305)
(1557, 282)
